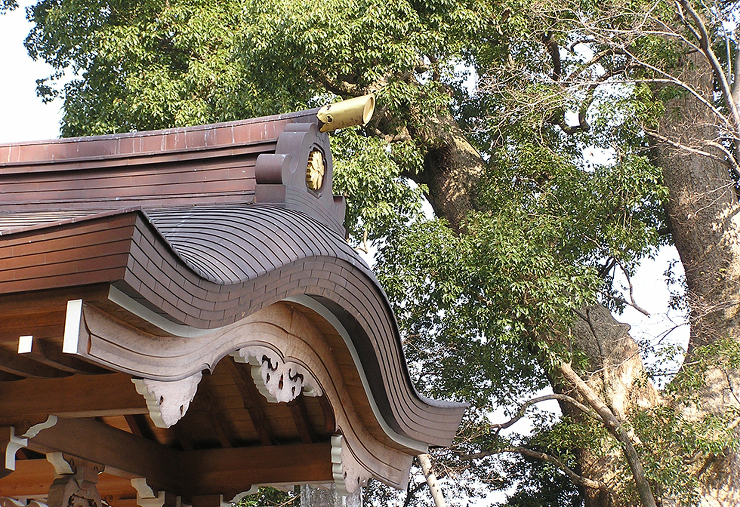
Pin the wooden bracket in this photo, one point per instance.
(146, 496)
(9, 444)
(168, 401)
(348, 474)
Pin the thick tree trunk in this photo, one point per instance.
(452, 169)
(615, 366)
(705, 222)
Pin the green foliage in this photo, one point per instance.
(7, 5)
(270, 497)
(378, 198)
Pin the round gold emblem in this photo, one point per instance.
(315, 170)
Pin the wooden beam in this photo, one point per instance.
(75, 396)
(186, 473)
(9, 377)
(231, 471)
(129, 455)
(33, 477)
(250, 398)
(29, 304)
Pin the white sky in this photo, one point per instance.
(23, 117)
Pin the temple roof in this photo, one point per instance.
(197, 267)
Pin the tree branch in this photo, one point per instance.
(554, 51)
(560, 397)
(615, 427)
(577, 479)
(631, 290)
(704, 43)
(730, 161)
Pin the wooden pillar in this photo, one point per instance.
(327, 496)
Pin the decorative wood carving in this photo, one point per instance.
(168, 401)
(277, 380)
(348, 473)
(78, 489)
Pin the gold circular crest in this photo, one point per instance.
(315, 170)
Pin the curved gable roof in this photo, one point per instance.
(182, 236)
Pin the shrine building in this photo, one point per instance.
(182, 321)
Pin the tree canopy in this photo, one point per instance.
(490, 111)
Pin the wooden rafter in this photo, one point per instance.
(52, 356)
(302, 420)
(330, 424)
(250, 397)
(182, 438)
(138, 425)
(214, 412)
(19, 364)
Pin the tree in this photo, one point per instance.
(488, 108)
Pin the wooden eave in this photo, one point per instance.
(156, 256)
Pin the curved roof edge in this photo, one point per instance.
(240, 248)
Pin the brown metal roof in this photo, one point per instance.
(181, 247)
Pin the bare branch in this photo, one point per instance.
(730, 160)
(577, 479)
(560, 397)
(706, 48)
(631, 290)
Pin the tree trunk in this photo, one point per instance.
(431, 478)
(703, 214)
(452, 170)
(616, 365)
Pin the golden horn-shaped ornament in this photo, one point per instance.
(347, 113)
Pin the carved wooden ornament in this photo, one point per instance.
(168, 401)
(277, 379)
